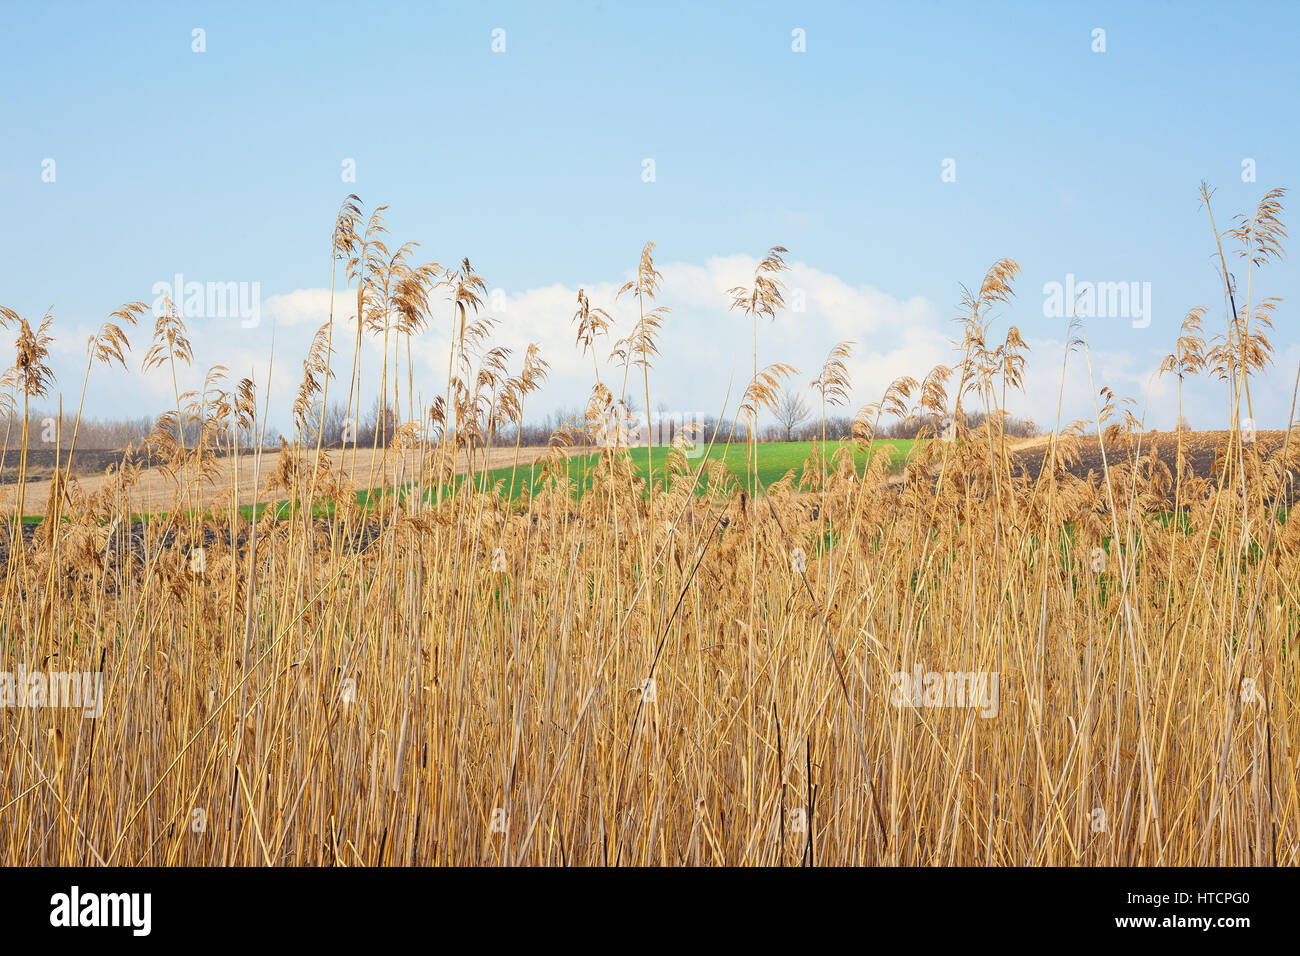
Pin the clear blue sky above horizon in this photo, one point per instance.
(225, 165)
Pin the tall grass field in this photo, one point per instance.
(444, 648)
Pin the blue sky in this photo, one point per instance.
(226, 166)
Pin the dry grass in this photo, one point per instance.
(656, 676)
(154, 489)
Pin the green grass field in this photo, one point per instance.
(775, 459)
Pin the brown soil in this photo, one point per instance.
(1199, 448)
(156, 491)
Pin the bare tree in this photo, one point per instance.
(335, 423)
(376, 426)
(791, 412)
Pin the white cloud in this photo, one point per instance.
(308, 306)
(704, 348)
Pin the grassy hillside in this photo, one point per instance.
(775, 459)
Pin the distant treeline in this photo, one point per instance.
(46, 431)
(838, 428)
